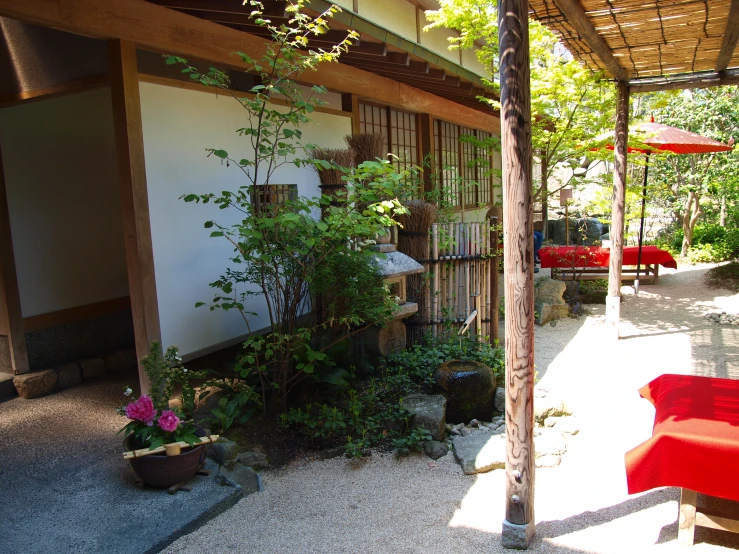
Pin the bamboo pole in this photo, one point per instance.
(435, 279)
(613, 300)
(170, 449)
(519, 525)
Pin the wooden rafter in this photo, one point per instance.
(577, 17)
(731, 36)
(682, 82)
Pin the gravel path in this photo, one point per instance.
(418, 506)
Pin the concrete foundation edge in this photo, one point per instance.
(199, 521)
(517, 537)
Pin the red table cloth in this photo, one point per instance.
(695, 440)
(595, 256)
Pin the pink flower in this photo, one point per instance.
(142, 410)
(168, 421)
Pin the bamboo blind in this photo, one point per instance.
(648, 38)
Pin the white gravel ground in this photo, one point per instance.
(418, 506)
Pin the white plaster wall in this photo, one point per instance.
(64, 201)
(178, 126)
(470, 61)
(437, 40)
(398, 16)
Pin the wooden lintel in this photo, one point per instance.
(190, 85)
(72, 87)
(576, 16)
(78, 313)
(167, 31)
(701, 80)
(11, 318)
(129, 139)
(271, 8)
(731, 36)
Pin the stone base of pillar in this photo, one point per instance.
(613, 315)
(518, 537)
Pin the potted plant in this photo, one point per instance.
(163, 443)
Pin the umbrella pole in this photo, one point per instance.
(641, 226)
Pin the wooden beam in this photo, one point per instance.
(78, 313)
(163, 30)
(72, 87)
(272, 8)
(129, 138)
(613, 300)
(682, 82)
(350, 104)
(11, 318)
(515, 100)
(577, 17)
(731, 36)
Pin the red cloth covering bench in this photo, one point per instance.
(694, 445)
(596, 256)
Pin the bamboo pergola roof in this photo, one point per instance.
(649, 43)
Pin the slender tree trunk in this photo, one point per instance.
(693, 211)
(722, 217)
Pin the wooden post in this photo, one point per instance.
(129, 138)
(11, 318)
(518, 245)
(495, 220)
(686, 519)
(426, 141)
(613, 301)
(350, 104)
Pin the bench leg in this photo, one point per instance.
(656, 274)
(686, 521)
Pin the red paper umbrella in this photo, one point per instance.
(666, 139)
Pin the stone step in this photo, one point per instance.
(7, 389)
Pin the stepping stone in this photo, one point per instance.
(480, 452)
(7, 389)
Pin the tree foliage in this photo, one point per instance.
(569, 104)
(695, 187)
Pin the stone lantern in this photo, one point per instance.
(394, 267)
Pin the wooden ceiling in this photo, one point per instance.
(378, 50)
(648, 43)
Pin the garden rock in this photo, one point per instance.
(480, 452)
(7, 390)
(38, 383)
(121, 360)
(549, 302)
(499, 402)
(69, 375)
(549, 460)
(254, 460)
(469, 387)
(547, 405)
(210, 401)
(223, 451)
(427, 412)
(92, 368)
(435, 449)
(549, 442)
(563, 424)
(240, 477)
(464, 431)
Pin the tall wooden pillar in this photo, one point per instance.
(518, 248)
(129, 138)
(613, 300)
(11, 318)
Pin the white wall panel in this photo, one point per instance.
(178, 126)
(64, 200)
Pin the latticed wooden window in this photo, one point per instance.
(266, 197)
(399, 128)
(465, 182)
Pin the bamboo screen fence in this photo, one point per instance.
(460, 277)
